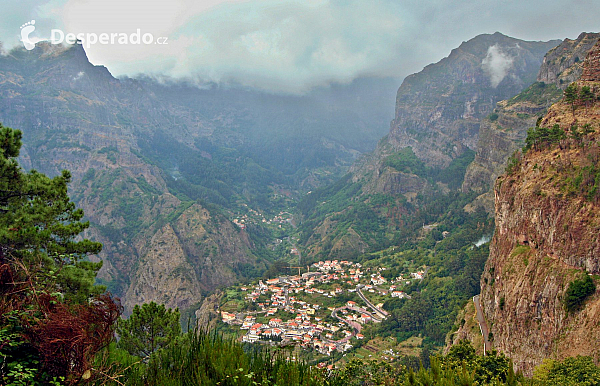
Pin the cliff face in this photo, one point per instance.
(503, 132)
(438, 110)
(438, 113)
(76, 116)
(547, 227)
(195, 253)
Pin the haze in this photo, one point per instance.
(290, 46)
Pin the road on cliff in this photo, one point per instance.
(483, 327)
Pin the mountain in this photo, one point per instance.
(538, 286)
(438, 110)
(503, 131)
(431, 141)
(76, 116)
(162, 169)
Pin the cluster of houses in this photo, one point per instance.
(300, 330)
(307, 328)
(253, 216)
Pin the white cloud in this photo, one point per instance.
(79, 75)
(496, 64)
(292, 45)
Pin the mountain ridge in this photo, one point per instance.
(546, 238)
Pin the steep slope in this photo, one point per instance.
(431, 141)
(438, 110)
(503, 131)
(76, 116)
(546, 238)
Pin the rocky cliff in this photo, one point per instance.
(439, 110)
(547, 227)
(503, 131)
(76, 116)
(431, 140)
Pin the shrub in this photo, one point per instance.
(578, 291)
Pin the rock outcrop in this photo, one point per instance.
(547, 227)
(503, 132)
(438, 110)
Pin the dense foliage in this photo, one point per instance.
(572, 371)
(149, 328)
(578, 291)
(53, 320)
(539, 138)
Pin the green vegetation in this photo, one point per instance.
(538, 93)
(452, 278)
(200, 358)
(406, 161)
(393, 229)
(575, 96)
(513, 161)
(572, 371)
(149, 328)
(53, 320)
(578, 291)
(586, 181)
(539, 138)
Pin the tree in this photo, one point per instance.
(578, 291)
(571, 95)
(48, 318)
(148, 329)
(586, 96)
(39, 225)
(578, 370)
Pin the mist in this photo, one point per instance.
(291, 46)
(496, 64)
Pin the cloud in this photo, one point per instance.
(79, 75)
(496, 64)
(291, 45)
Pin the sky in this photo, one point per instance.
(287, 46)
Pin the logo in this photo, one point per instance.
(26, 29)
(88, 39)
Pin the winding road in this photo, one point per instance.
(380, 313)
(483, 327)
(355, 326)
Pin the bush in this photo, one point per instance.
(578, 291)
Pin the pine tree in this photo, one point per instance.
(148, 329)
(50, 326)
(586, 96)
(571, 95)
(39, 225)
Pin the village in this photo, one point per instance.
(253, 216)
(324, 309)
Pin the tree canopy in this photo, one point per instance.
(149, 328)
(52, 316)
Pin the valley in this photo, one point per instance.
(442, 225)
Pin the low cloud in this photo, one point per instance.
(496, 64)
(292, 46)
(79, 75)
